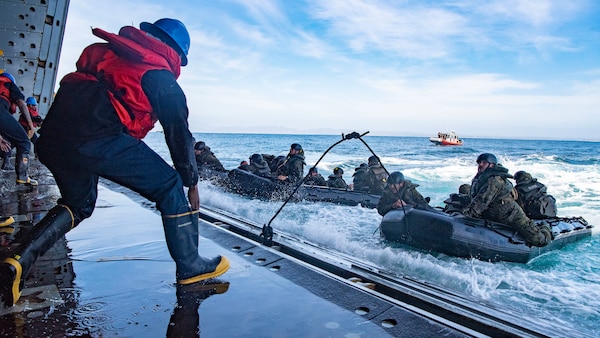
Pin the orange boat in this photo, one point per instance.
(446, 139)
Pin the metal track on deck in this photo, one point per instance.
(464, 314)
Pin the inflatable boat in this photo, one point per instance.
(248, 184)
(462, 236)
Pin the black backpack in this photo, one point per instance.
(534, 200)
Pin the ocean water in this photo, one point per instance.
(562, 287)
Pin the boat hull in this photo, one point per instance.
(461, 236)
(443, 142)
(245, 183)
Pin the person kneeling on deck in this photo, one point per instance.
(94, 129)
(399, 193)
(492, 198)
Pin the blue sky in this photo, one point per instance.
(496, 69)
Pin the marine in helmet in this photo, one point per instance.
(336, 180)
(492, 199)
(292, 168)
(32, 107)
(533, 197)
(377, 176)
(399, 193)
(258, 166)
(93, 129)
(360, 178)
(11, 95)
(205, 158)
(314, 178)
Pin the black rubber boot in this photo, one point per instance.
(14, 270)
(6, 165)
(181, 233)
(22, 169)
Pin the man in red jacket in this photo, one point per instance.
(94, 129)
(11, 96)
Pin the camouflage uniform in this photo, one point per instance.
(207, 159)
(293, 168)
(458, 202)
(408, 193)
(258, 166)
(492, 199)
(336, 181)
(360, 178)
(315, 180)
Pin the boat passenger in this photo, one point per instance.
(258, 166)
(458, 202)
(377, 176)
(88, 133)
(360, 178)
(244, 165)
(492, 199)
(274, 161)
(314, 178)
(206, 158)
(292, 169)
(336, 180)
(398, 193)
(533, 198)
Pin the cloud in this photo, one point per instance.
(395, 67)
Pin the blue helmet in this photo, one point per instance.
(395, 178)
(12, 78)
(489, 158)
(173, 33)
(31, 100)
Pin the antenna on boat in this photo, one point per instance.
(267, 230)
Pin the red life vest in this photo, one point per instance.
(35, 116)
(120, 65)
(5, 92)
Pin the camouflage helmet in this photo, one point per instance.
(521, 176)
(200, 145)
(464, 189)
(489, 158)
(256, 158)
(374, 160)
(338, 170)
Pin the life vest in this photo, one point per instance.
(35, 118)
(377, 179)
(4, 91)
(120, 65)
(480, 182)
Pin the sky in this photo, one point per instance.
(492, 69)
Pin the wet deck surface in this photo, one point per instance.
(113, 277)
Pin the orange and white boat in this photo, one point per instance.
(446, 139)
